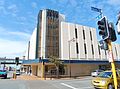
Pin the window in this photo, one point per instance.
(91, 35)
(105, 52)
(92, 49)
(83, 34)
(116, 51)
(99, 49)
(76, 32)
(52, 34)
(77, 48)
(85, 48)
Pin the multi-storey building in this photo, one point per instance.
(75, 44)
(47, 34)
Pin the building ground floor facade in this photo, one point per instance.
(74, 68)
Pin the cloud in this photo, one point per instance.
(10, 9)
(20, 34)
(12, 47)
(17, 34)
(114, 2)
(22, 18)
(13, 9)
(9, 48)
(34, 5)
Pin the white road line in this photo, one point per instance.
(68, 86)
(74, 87)
(85, 87)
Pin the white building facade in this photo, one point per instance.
(30, 52)
(87, 43)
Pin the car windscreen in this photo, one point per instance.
(105, 74)
(18, 70)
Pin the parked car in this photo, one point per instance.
(96, 73)
(18, 72)
(3, 74)
(105, 80)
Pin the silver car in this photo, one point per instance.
(96, 72)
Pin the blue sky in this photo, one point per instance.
(18, 18)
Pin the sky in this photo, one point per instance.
(18, 18)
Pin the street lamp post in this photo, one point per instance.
(72, 40)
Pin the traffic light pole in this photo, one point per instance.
(111, 60)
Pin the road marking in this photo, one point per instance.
(86, 87)
(74, 87)
(68, 86)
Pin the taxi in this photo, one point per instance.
(105, 80)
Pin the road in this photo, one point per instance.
(84, 83)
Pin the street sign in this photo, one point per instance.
(99, 16)
(110, 56)
(103, 45)
(96, 9)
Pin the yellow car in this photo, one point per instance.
(105, 80)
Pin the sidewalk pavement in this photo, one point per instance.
(28, 77)
(33, 77)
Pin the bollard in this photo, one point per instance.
(14, 76)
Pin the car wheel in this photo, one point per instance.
(96, 88)
(110, 86)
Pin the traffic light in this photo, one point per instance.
(103, 27)
(17, 60)
(112, 34)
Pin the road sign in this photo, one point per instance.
(96, 9)
(103, 45)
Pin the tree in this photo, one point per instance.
(56, 61)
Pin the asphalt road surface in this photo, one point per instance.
(83, 83)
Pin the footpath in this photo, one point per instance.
(32, 77)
